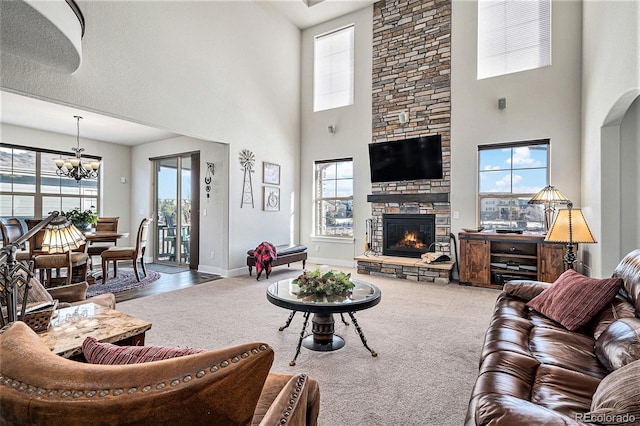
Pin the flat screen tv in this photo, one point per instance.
(408, 159)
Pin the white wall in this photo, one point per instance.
(116, 163)
(610, 83)
(541, 103)
(214, 229)
(353, 134)
(217, 71)
(630, 178)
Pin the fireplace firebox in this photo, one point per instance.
(408, 235)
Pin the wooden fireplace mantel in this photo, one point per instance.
(435, 197)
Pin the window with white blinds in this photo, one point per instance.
(513, 35)
(333, 69)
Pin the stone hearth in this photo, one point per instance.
(406, 268)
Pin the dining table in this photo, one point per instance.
(104, 236)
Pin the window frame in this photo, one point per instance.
(512, 195)
(37, 195)
(318, 200)
(511, 38)
(315, 101)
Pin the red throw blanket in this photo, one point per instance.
(264, 254)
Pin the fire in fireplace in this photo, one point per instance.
(410, 240)
(408, 235)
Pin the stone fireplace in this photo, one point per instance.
(411, 75)
(408, 235)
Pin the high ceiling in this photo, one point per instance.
(319, 11)
(43, 115)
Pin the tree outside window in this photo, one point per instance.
(334, 198)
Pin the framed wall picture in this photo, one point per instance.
(270, 198)
(270, 173)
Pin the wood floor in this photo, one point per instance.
(167, 282)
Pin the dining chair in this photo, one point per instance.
(134, 254)
(75, 262)
(11, 230)
(104, 224)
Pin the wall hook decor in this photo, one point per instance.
(207, 178)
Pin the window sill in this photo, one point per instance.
(337, 240)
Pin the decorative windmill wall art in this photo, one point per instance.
(247, 160)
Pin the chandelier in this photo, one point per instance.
(73, 167)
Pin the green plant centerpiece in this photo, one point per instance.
(319, 282)
(81, 219)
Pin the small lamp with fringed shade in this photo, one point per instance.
(61, 236)
(570, 226)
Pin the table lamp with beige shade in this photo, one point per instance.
(570, 226)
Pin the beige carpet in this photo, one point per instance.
(428, 338)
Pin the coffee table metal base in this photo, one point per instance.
(323, 338)
(312, 344)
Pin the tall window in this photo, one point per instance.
(509, 175)
(334, 198)
(333, 69)
(513, 36)
(30, 188)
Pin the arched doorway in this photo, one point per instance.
(620, 166)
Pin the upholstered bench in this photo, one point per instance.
(287, 254)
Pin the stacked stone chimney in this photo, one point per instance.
(412, 74)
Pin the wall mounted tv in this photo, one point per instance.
(408, 159)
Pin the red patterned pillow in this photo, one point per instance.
(574, 299)
(107, 353)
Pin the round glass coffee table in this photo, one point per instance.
(287, 295)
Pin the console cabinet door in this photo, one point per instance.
(551, 264)
(474, 265)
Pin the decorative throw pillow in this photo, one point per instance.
(619, 345)
(107, 353)
(573, 299)
(617, 398)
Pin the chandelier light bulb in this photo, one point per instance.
(74, 166)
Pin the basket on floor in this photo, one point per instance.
(39, 318)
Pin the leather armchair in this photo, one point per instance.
(229, 386)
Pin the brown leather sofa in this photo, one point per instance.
(231, 386)
(535, 371)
